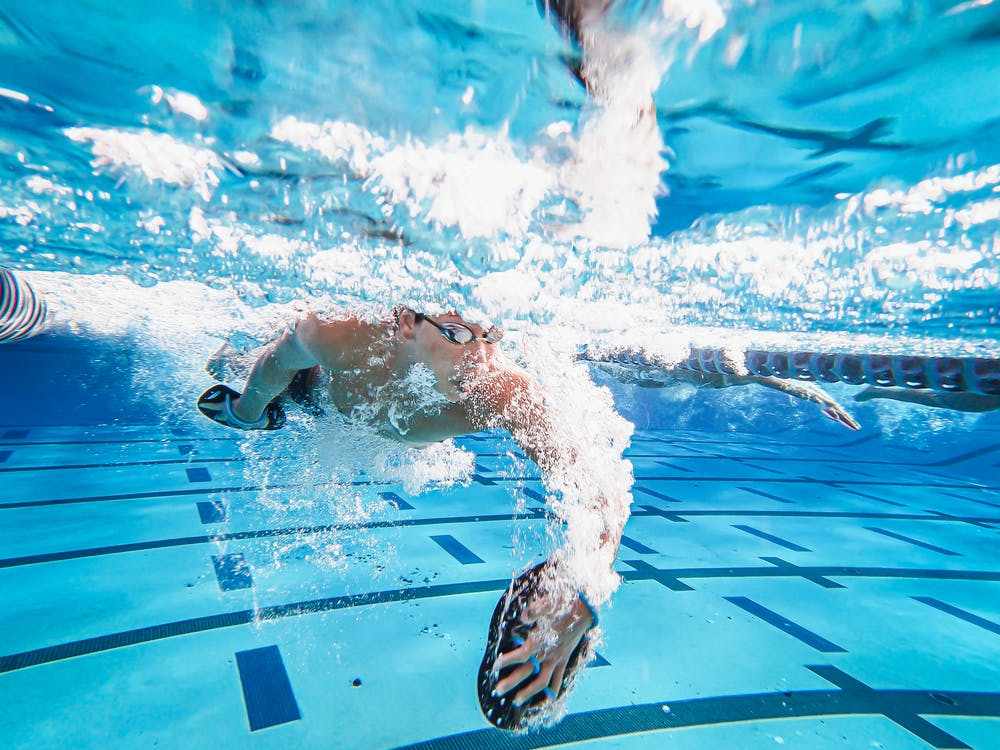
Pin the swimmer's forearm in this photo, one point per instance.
(270, 376)
(804, 391)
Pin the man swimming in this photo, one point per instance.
(538, 636)
(665, 377)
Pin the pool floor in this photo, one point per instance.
(834, 590)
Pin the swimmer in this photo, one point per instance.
(22, 309)
(583, 21)
(536, 642)
(972, 403)
(806, 391)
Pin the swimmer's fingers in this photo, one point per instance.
(516, 677)
(837, 414)
(537, 685)
(519, 655)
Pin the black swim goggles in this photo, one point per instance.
(459, 333)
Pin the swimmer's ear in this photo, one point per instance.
(406, 323)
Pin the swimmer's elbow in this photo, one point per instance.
(295, 350)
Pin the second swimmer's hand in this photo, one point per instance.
(838, 414)
(543, 664)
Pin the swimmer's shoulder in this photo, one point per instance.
(339, 342)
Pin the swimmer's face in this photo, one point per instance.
(453, 364)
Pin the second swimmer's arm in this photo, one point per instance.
(805, 391)
(274, 370)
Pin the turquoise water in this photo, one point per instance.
(820, 176)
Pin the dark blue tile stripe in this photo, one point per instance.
(534, 495)
(529, 514)
(749, 465)
(598, 661)
(199, 474)
(638, 547)
(119, 464)
(267, 691)
(657, 495)
(393, 499)
(643, 572)
(213, 511)
(901, 706)
(15, 434)
(915, 542)
(785, 625)
(232, 572)
(4, 455)
(812, 577)
(169, 493)
(161, 441)
(768, 495)
(771, 538)
(675, 467)
(961, 614)
(866, 495)
(456, 549)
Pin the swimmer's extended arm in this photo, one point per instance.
(523, 413)
(275, 368)
(805, 391)
(541, 661)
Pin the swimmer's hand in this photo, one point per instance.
(838, 414)
(807, 392)
(551, 658)
(220, 404)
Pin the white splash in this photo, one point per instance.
(157, 156)
(180, 102)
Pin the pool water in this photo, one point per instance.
(798, 585)
(810, 175)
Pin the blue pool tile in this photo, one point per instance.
(4, 455)
(199, 474)
(785, 625)
(636, 546)
(915, 542)
(393, 499)
(479, 479)
(212, 511)
(771, 538)
(267, 691)
(457, 550)
(185, 449)
(232, 572)
(15, 434)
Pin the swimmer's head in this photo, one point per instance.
(455, 349)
